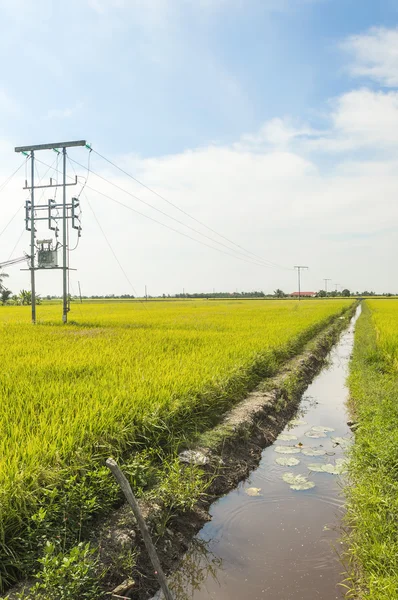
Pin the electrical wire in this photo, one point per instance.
(112, 250)
(184, 212)
(11, 220)
(266, 263)
(7, 181)
(16, 243)
(135, 211)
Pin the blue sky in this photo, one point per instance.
(266, 119)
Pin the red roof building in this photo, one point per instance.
(303, 294)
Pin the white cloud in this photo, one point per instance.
(375, 55)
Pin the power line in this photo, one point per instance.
(7, 181)
(266, 263)
(249, 261)
(11, 220)
(185, 212)
(111, 248)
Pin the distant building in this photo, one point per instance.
(304, 294)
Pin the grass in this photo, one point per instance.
(121, 379)
(372, 497)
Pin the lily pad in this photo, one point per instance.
(321, 429)
(293, 479)
(287, 461)
(253, 491)
(332, 469)
(337, 469)
(287, 450)
(343, 442)
(342, 465)
(297, 422)
(315, 434)
(286, 437)
(316, 468)
(313, 452)
(308, 485)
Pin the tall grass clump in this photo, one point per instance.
(372, 496)
(122, 380)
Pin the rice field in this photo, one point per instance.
(118, 379)
(372, 507)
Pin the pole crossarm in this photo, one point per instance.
(54, 146)
(51, 185)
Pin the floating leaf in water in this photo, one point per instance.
(293, 479)
(286, 437)
(297, 422)
(308, 485)
(316, 468)
(343, 442)
(336, 469)
(313, 452)
(342, 465)
(253, 491)
(287, 461)
(332, 469)
(287, 450)
(315, 434)
(321, 429)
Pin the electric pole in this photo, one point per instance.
(326, 284)
(47, 254)
(80, 292)
(299, 268)
(146, 294)
(32, 239)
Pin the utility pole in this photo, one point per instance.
(326, 284)
(64, 243)
(47, 255)
(146, 294)
(80, 292)
(299, 268)
(32, 239)
(336, 285)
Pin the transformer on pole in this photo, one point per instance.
(47, 249)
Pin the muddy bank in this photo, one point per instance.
(230, 452)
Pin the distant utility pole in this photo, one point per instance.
(299, 268)
(146, 294)
(326, 284)
(80, 292)
(336, 284)
(47, 254)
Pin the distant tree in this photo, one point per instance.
(5, 296)
(346, 292)
(25, 297)
(279, 294)
(321, 294)
(15, 299)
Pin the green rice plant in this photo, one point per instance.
(372, 495)
(122, 379)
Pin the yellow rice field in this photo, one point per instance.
(123, 376)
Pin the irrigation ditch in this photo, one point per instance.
(225, 457)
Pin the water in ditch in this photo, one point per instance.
(267, 539)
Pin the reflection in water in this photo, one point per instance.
(198, 565)
(281, 544)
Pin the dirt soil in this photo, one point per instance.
(231, 451)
